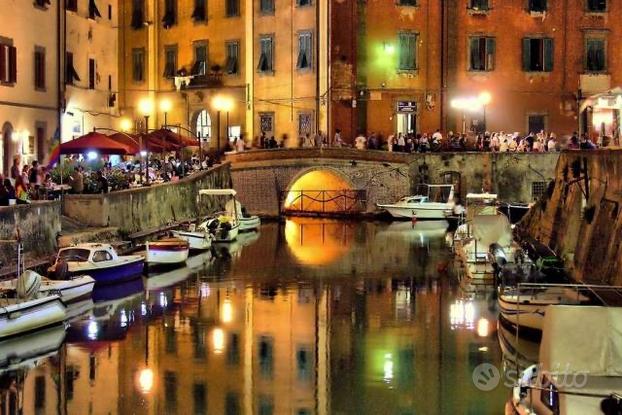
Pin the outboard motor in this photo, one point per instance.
(28, 285)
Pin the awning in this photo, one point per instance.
(169, 136)
(94, 141)
(130, 140)
(611, 99)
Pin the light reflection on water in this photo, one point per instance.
(309, 317)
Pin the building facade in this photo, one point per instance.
(29, 79)
(90, 49)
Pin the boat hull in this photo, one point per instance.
(167, 254)
(199, 241)
(228, 235)
(125, 271)
(28, 316)
(248, 224)
(71, 291)
(403, 212)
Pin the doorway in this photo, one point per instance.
(406, 123)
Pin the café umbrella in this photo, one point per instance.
(94, 141)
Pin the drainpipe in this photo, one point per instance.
(59, 77)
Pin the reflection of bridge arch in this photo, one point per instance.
(322, 190)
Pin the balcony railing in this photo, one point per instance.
(208, 80)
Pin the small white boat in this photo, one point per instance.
(19, 316)
(222, 228)
(71, 290)
(432, 201)
(198, 239)
(580, 365)
(247, 222)
(100, 261)
(167, 251)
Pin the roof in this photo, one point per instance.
(218, 192)
(582, 339)
(483, 196)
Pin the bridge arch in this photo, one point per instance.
(321, 190)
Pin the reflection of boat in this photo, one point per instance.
(167, 251)
(198, 261)
(432, 201)
(166, 279)
(243, 239)
(100, 261)
(117, 291)
(70, 290)
(79, 309)
(517, 351)
(580, 365)
(25, 351)
(421, 232)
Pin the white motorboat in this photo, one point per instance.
(19, 316)
(432, 201)
(198, 239)
(247, 222)
(167, 251)
(71, 290)
(224, 226)
(98, 260)
(525, 305)
(518, 352)
(580, 369)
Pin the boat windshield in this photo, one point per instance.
(435, 194)
(74, 254)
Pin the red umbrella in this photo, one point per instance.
(161, 140)
(94, 141)
(132, 141)
(170, 136)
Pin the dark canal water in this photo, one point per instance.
(309, 317)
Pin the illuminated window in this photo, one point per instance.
(407, 42)
(479, 5)
(482, 53)
(596, 6)
(204, 125)
(595, 54)
(305, 47)
(537, 54)
(233, 56)
(266, 57)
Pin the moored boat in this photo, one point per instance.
(432, 201)
(198, 239)
(19, 316)
(167, 251)
(73, 289)
(98, 260)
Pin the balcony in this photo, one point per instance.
(208, 80)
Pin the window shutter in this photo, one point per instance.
(3, 63)
(526, 54)
(475, 61)
(412, 50)
(12, 64)
(491, 46)
(548, 55)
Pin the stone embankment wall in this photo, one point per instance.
(580, 216)
(260, 177)
(38, 224)
(135, 210)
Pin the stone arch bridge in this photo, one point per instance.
(270, 182)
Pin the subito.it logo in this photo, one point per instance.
(486, 377)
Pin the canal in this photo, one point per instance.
(307, 317)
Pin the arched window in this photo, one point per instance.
(204, 126)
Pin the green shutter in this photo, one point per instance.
(476, 64)
(548, 55)
(491, 45)
(526, 54)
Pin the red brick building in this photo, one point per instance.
(398, 65)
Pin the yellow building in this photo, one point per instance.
(221, 70)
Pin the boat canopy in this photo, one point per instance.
(218, 192)
(481, 196)
(490, 229)
(582, 339)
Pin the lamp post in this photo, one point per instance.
(165, 107)
(146, 108)
(221, 103)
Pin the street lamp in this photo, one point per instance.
(146, 108)
(165, 107)
(125, 124)
(221, 103)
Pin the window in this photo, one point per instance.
(479, 5)
(303, 3)
(170, 13)
(93, 10)
(39, 68)
(8, 64)
(232, 8)
(92, 74)
(71, 75)
(42, 3)
(407, 51)
(101, 256)
(482, 53)
(305, 47)
(266, 356)
(233, 57)
(537, 190)
(411, 3)
(595, 55)
(200, 59)
(597, 6)
(537, 54)
(204, 126)
(110, 12)
(265, 54)
(138, 13)
(266, 6)
(536, 123)
(199, 393)
(138, 64)
(266, 122)
(170, 61)
(199, 14)
(305, 123)
(72, 5)
(537, 6)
